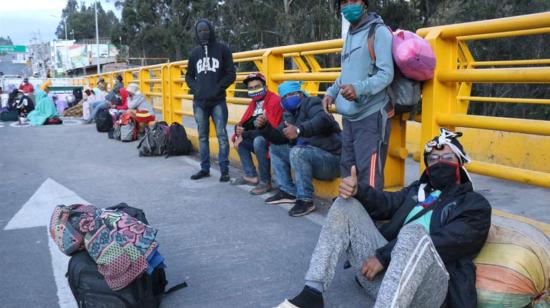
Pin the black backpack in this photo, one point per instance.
(178, 143)
(155, 140)
(91, 290)
(103, 120)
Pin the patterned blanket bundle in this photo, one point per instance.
(119, 244)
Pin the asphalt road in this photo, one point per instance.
(231, 248)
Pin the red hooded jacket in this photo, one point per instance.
(272, 110)
(124, 97)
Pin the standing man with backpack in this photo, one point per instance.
(360, 93)
(210, 71)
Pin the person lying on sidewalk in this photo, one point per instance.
(423, 257)
(247, 138)
(306, 142)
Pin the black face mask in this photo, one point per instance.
(442, 174)
(204, 36)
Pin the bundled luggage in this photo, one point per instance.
(513, 268)
(415, 62)
(96, 284)
(165, 140)
(154, 141)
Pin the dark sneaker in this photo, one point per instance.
(261, 189)
(199, 175)
(281, 197)
(225, 177)
(308, 298)
(301, 208)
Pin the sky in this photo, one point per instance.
(24, 20)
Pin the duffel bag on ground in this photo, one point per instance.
(9, 116)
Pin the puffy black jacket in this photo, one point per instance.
(317, 128)
(459, 227)
(210, 70)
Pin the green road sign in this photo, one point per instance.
(13, 48)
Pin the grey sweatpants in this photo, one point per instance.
(415, 277)
(362, 146)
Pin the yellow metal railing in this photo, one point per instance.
(447, 96)
(164, 84)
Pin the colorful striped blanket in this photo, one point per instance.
(117, 242)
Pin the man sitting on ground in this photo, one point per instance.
(423, 257)
(247, 138)
(308, 142)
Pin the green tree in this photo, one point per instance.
(80, 21)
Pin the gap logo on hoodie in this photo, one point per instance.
(207, 64)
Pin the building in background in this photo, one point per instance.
(76, 58)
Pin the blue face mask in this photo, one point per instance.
(353, 12)
(291, 103)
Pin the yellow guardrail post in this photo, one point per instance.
(438, 96)
(272, 64)
(175, 90)
(165, 77)
(144, 86)
(127, 77)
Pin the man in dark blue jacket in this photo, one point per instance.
(422, 257)
(307, 142)
(210, 71)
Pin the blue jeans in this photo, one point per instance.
(260, 147)
(96, 106)
(219, 115)
(307, 162)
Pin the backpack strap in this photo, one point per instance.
(370, 41)
(179, 286)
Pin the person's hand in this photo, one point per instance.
(290, 131)
(239, 130)
(348, 92)
(261, 121)
(327, 103)
(371, 268)
(348, 185)
(237, 141)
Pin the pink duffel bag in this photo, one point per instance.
(413, 55)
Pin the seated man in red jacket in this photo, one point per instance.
(422, 257)
(247, 139)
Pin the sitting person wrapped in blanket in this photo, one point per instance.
(122, 247)
(45, 106)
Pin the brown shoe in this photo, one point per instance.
(261, 189)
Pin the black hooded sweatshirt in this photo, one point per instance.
(460, 223)
(210, 70)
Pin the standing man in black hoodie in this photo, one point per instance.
(210, 71)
